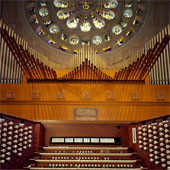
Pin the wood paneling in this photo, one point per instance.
(85, 129)
(49, 107)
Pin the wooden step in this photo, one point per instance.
(49, 168)
(85, 161)
(84, 148)
(85, 156)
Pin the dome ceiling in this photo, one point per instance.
(67, 25)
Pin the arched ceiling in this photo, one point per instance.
(67, 25)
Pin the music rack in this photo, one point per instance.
(86, 140)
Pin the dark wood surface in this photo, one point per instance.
(18, 162)
(144, 154)
(85, 129)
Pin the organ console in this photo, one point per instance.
(156, 141)
(13, 140)
(152, 140)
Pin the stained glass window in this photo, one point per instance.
(129, 33)
(74, 40)
(54, 29)
(48, 22)
(136, 22)
(120, 41)
(123, 24)
(107, 49)
(139, 11)
(50, 41)
(72, 23)
(63, 37)
(43, 12)
(63, 48)
(75, 51)
(98, 23)
(85, 26)
(106, 14)
(127, 13)
(128, 5)
(97, 40)
(40, 31)
(107, 38)
(117, 29)
(91, 22)
(60, 4)
(110, 4)
(43, 3)
(85, 42)
(34, 19)
(64, 14)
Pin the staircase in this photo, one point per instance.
(73, 158)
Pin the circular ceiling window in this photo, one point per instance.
(70, 24)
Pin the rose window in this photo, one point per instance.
(105, 24)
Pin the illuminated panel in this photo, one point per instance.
(78, 140)
(86, 140)
(57, 140)
(94, 140)
(68, 140)
(107, 140)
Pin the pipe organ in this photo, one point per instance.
(10, 72)
(17, 58)
(160, 73)
(87, 53)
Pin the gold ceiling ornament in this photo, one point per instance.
(85, 5)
